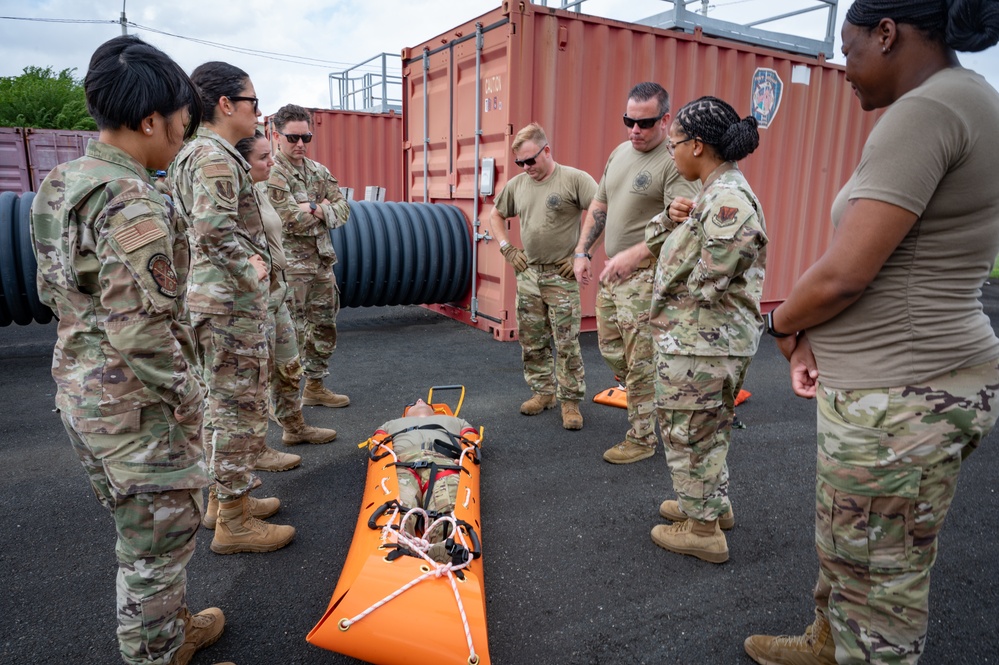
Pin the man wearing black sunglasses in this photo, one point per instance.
(309, 201)
(639, 182)
(549, 199)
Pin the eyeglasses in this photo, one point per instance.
(643, 123)
(256, 102)
(530, 161)
(670, 146)
(295, 138)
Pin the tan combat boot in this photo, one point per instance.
(627, 452)
(239, 531)
(701, 539)
(571, 417)
(815, 647)
(316, 394)
(273, 460)
(259, 508)
(200, 631)
(670, 509)
(296, 431)
(537, 404)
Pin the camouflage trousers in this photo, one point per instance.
(148, 470)
(234, 357)
(695, 402)
(888, 464)
(548, 307)
(625, 339)
(284, 366)
(314, 301)
(413, 483)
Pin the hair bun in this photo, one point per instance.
(973, 25)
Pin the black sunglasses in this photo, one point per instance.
(643, 123)
(295, 138)
(256, 102)
(530, 161)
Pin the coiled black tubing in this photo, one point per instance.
(388, 254)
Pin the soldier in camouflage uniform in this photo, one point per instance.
(432, 488)
(639, 182)
(886, 331)
(284, 368)
(309, 201)
(112, 265)
(549, 199)
(705, 320)
(228, 294)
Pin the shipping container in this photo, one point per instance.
(14, 173)
(48, 148)
(468, 91)
(360, 149)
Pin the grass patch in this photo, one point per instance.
(995, 269)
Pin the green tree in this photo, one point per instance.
(41, 98)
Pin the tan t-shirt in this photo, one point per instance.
(549, 211)
(272, 227)
(637, 186)
(934, 152)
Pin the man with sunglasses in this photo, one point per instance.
(309, 201)
(639, 182)
(549, 199)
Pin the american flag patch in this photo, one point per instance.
(139, 235)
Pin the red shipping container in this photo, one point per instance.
(571, 73)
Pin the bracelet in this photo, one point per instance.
(503, 243)
(582, 255)
(768, 325)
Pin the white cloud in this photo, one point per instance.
(339, 32)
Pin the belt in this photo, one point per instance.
(544, 266)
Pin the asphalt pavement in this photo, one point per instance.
(571, 574)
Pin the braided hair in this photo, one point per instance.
(963, 25)
(716, 123)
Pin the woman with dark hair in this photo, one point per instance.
(112, 264)
(284, 370)
(705, 320)
(887, 333)
(227, 295)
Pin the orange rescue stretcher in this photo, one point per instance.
(618, 396)
(395, 608)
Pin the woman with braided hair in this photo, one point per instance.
(705, 319)
(887, 333)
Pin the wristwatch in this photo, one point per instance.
(768, 325)
(312, 207)
(582, 255)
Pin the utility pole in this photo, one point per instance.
(704, 7)
(123, 20)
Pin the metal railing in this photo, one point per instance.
(369, 87)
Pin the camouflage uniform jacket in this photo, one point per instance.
(214, 195)
(307, 243)
(112, 265)
(406, 440)
(709, 279)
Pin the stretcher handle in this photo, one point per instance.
(461, 399)
(373, 520)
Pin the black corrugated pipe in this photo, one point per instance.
(389, 254)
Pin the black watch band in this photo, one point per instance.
(768, 325)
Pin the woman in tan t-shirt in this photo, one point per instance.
(886, 331)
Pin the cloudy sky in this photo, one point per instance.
(295, 46)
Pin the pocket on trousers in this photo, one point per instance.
(128, 478)
(119, 423)
(866, 516)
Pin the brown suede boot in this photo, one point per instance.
(316, 394)
(537, 404)
(670, 509)
(571, 417)
(200, 631)
(815, 647)
(259, 508)
(239, 531)
(704, 540)
(273, 460)
(296, 431)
